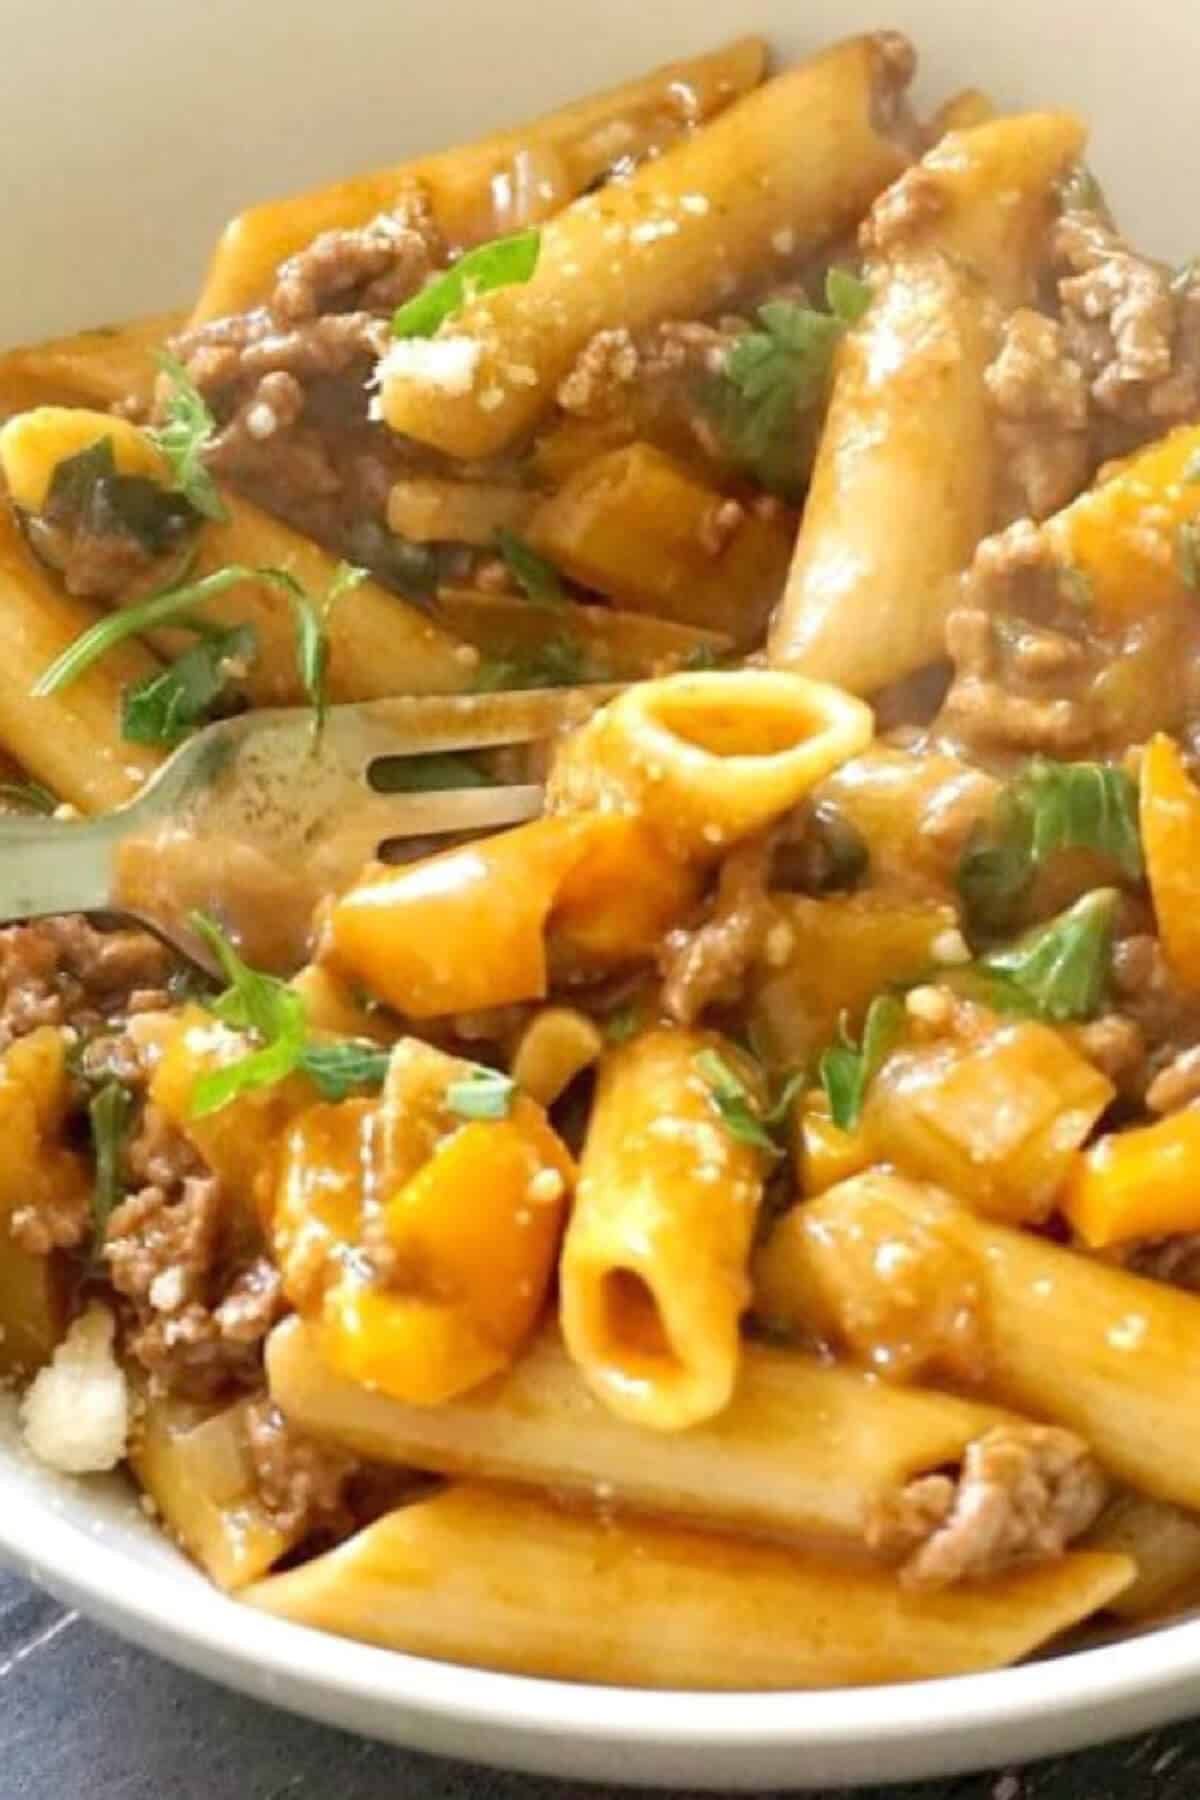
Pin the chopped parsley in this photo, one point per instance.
(312, 632)
(164, 707)
(1058, 972)
(504, 262)
(274, 1013)
(109, 1115)
(538, 579)
(846, 1069)
(1049, 807)
(740, 1112)
(186, 431)
(775, 379)
(88, 494)
(560, 661)
(435, 772)
(483, 1094)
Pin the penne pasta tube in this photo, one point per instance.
(35, 1290)
(71, 742)
(961, 112)
(708, 758)
(1162, 1542)
(683, 234)
(639, 527)
(194, 1464)
(427, 509)
(103, 367)
(504, 181)
(611, 645)
(899, 1271)
(558, 1044)
(467, 1576)
(379, 645)
(653, 1275)
(910, 432)
(804, 1449)
(471, 927)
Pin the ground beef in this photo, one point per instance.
(1023, 1494)
(300, 1481)
(1178, 1084)
(100, 565)
(613, 362)
(59, 1219)
(1175, 1260)
(1132, 327)
(1041, 405)
(199, 1297)
(287, 381)
(707, 963)
(1115, 1045)
(64, 971)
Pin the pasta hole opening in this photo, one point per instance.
(632, 1319)
(729, 728)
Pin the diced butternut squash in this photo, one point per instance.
(242, 1144)
(637, 526)
(1139, 1183)
(997, 1118)
(194, 1465)
(843, 951)
(1169, 809)
(34, 443)
(472, 1241)
(1124, 535)
(825, 1153)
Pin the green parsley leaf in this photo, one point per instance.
(108, 1114)
(765, 401)
(163, 708)
(1187, 554)
(89, 495)
(734, 1103)
(483, 1094)
(435, 772)
(538, 578)
(702, 657)
(339, 1068)
(624, 1022)
(1062, 968)
(847, 296)
(254, 1002)
(558, 662)
(28, 796)
(187, 430)
(1049, 807)
(504, 262)
(312, 632)
(846, 1070)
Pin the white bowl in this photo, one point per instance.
(132, 130)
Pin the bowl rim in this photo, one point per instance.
(292, 1665)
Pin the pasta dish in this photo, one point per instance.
(740, 1228)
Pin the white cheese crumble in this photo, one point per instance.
(75, 1414)
(445, 363)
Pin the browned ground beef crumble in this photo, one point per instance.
(1024, 1493)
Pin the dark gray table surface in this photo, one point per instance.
(85, 1717)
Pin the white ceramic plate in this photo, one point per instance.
(131, 131)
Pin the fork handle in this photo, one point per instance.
(57, 865)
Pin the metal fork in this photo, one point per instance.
(255, 822)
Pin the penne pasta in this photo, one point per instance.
(708, 758)
(466, 1576)
(104, 367)
(610, 645)
(1163, 1543)
(893, 1267)
(803, 1450)
(379, 645)
(641, 251)
(494, 185)
(653, 1276)
(429, 938)
(72, 741)
(557, 1045)
(637, 526)
(909, 432)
